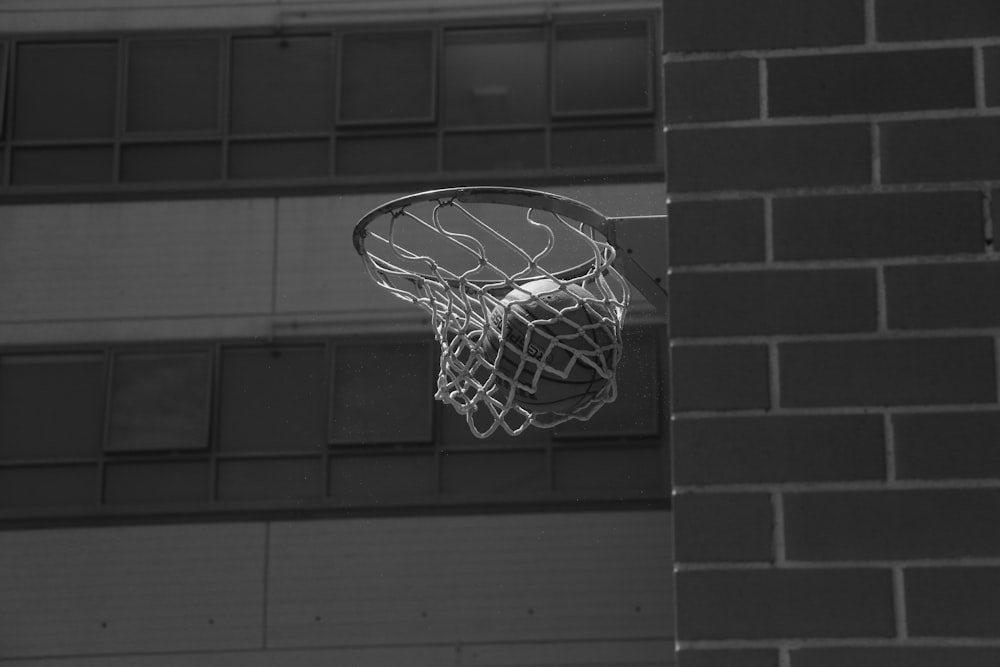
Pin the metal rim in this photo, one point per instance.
(546, 201)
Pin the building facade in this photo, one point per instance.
(218, 442)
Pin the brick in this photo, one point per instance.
(871, 83)
(953, 601)
(716, 232)
(882, 225)
(728, 527)
(960, 149)
(763, 158)
(764, 450)
(901, 20)
(725, 25)
(720, 377)
(892, 525)
(948, 445)
(885, 656)
(942, 371)
(711, 90)
(741, 303)
(784, 604)
(943, 296)
(991, 63)
(737, 657)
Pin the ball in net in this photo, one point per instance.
(552, 346)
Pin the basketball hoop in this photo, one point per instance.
(522, 296)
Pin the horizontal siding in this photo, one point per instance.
(65, 15)
(212, 268)
(529, 590)
(643, 653)
(134, 589)
(135, 260)
(470, 579)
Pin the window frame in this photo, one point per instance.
(429, 493)
(118, 187)
(434, 32)
(111, 362)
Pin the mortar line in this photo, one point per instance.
(969, 113)
(987, 204)
(778, 529)
(881, 301)
(774, 376)
(762, 88)
(979, 77)
(899, 602)
(847, 49)
(871, 29)
(769, 229)
(890, 448)
(876, 150)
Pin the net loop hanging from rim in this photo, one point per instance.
(433, 250)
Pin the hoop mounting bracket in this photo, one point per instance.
(642, 254)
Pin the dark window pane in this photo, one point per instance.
(637, 412)
(270, 479)
(3, 96)
(159, 401)
(494, 150)
(66, 91)
(282, 84)
(171, 162)
(386, 155)
(280, 159)
(173, 85)
(157, 483)
(493, 473)
(387, 76)
(50, 486)
(495, 76)
(382, 392)
(591, 147)
(51, 406)
(63, 166)
(610, 471)
(602, 67)
(273, 399)
(379, 480)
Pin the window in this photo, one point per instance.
(66, 91)
(172, 110)
(173, 86)
(281, 85)
(387, 77)
(273, 399)
(429, 102)
(51, 406)
(381, 393)
(495, 77)
(3, 94)
(159, 401)
(320, 424)
(602, 67)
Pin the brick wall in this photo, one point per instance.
(834, 176)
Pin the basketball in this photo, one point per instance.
(555, 338)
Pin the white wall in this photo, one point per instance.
(86, 15)
(223, 268)
(534, 589)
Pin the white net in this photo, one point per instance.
(529, 331)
